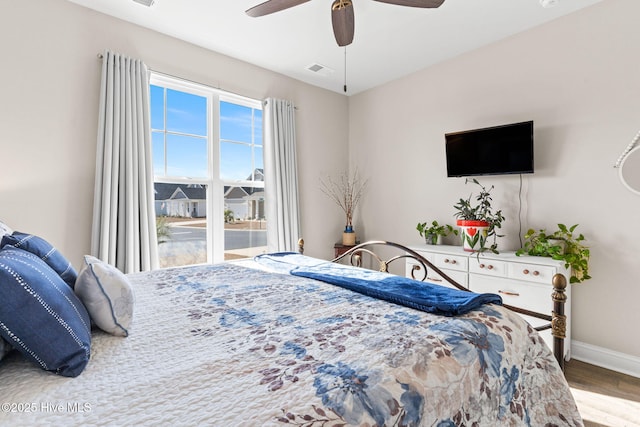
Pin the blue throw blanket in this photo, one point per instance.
(422, 296)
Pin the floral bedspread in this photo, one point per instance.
(227, 345)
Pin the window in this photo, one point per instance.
(209, 173)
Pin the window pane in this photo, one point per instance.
(186, 156)
(235, 122)
(157, 107)
(245, 227)
(257, 130)
(235, 161)
(157, 140)
(186, 113)
(259, 160)
(181, 215)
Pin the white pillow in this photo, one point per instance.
(4, 229)
(107, 294)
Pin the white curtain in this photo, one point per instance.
(124, 227)
(281, 178)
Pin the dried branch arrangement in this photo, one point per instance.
(346, 192)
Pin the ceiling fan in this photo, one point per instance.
(341, 13)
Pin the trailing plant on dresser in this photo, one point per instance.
(561, 244)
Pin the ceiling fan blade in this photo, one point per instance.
(272, 6)
(415, 3)
(343, 21)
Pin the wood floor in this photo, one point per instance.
(604, 397)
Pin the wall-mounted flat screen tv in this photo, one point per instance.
(498, 150)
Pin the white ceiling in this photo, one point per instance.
(390, 41)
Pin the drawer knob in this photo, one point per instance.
(536, 273)
(525, 271)
(481, 265)
(449, 261)
(490, 267)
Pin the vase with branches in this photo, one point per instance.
(346, 191)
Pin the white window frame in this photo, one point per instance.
(214, 184)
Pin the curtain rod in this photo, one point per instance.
(101, 57)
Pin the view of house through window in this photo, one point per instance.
(209, 174)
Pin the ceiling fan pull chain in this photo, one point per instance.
(345, 69)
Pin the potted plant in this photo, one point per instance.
(434, 233)
(163, 229)
(562, 245)
(477, 221)
(346, 193)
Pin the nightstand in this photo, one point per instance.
(339, 249)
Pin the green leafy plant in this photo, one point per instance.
(163, 230)
(481, 210)
(433, 231)
(229, 216)
(561, 244)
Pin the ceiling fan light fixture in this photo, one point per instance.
(343, 21)
(341, 4)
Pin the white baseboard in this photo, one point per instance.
(605, 358)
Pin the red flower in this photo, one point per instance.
(471, 231)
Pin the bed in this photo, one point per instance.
(252, 344)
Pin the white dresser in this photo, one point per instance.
(521, 281)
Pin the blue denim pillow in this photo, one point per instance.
(40, 316)
(43, 249)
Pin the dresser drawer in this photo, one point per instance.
(531, 272)
(413, 266)
(527, 295)
(459, 276)
(489, 267)
(451, 262)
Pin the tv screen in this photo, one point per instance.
(498, 150)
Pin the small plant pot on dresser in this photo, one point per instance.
(473, 234)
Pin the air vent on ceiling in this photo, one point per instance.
(319, 69)
(147, 3)
(548, 3)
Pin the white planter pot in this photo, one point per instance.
(473, 234)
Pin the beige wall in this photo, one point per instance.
(578, 78)
(49, 91)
